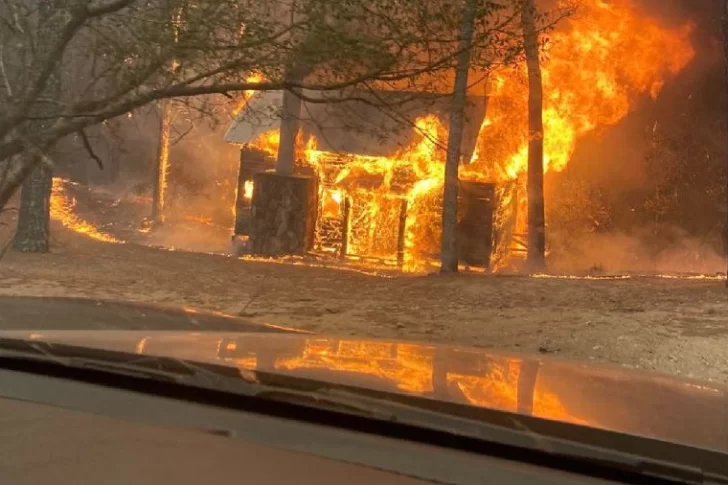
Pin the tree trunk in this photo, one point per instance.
(33, 232)
(536, 260)
(725, 51)
(449, 248)
(284, 214)
(290, 125)
(161, 167)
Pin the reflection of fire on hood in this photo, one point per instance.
(491, 383)
(623, 400)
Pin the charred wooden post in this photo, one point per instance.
(401, 232)
(251, 162)
(283, 216)
(162, 168)
(346, 220)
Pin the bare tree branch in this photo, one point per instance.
(89, 149)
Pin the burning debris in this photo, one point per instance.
(63, 210)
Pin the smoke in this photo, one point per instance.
(676, 11)
(618, 253)
(202, 182)
(648, 194)
(190, 236)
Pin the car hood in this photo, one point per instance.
(622, 400)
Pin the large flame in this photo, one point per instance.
(599, 65)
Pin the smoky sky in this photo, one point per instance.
(705, 13)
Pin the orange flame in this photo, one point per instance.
(412, 368)
(248, 190)
(268, 142)
(245, 97)
(599, 65)
(62, 210)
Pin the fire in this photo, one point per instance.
(412, 368)
(248, 190)
(62, 210)
(268, 142)
(163, 163)
(599, 65)
(245, 97)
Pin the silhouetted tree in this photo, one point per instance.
(536, 260)
(449, 250)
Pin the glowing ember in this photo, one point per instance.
(573, 277)
(248, 190)
(693, 277)
(62, 210)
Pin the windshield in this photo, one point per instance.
(517, 205)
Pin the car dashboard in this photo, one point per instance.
(68, 432)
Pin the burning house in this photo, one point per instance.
(377, 176)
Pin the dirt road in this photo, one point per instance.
(674, 326)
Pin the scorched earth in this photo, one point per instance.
(676, 326)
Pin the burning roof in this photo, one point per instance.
(354, 122)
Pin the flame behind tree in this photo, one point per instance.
(162, 164)
(164, 144)
(536, 261)
(598, 64)
(449, 251)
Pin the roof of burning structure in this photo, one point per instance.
(367, 123)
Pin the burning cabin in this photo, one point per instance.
(379, 177)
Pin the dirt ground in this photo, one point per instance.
(676, 326)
